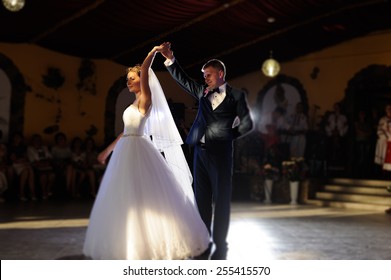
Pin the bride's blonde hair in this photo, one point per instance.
(136, 69)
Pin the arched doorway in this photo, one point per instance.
(117, 100)
(283, 91)
(276, 105)
(15, 90)
(368, 91)
(5, 106)
(124, 98)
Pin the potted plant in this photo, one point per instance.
(294, 171)
(270, 173)
(388, 211)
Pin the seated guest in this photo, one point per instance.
(41, 160)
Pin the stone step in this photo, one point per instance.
(347, 205)
(359, 182)
(353, 193)
(374, 190)
(362, 198)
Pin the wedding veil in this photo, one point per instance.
(165, 136)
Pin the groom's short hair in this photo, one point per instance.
(215, 63)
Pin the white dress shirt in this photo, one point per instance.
(215, 98)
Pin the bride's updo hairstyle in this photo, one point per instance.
(136, 69)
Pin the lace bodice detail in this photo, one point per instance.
(134, 121)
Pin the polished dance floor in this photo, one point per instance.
(48, 230)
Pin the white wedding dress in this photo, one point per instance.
(141, 211)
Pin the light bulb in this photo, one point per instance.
(13, 5)
(271, 67)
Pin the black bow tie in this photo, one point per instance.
(214, 90)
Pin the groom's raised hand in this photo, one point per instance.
(166, 50)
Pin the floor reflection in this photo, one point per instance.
(257, 232)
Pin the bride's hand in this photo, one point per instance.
(102, 157)
(154, 50)
(165, 50)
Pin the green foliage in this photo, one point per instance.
(270, 172)
(294, 170)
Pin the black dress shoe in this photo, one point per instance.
(219, 255)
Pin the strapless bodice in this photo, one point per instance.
(134, 121)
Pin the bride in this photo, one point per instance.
(145, 207)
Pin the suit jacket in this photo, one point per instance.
(216, 124)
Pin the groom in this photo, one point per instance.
(222, 117)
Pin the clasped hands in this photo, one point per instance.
(164, 49)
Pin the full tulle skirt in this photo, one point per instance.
(141, 211)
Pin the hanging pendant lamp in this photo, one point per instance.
(13, 5)
(271, 67)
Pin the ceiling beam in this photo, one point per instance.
(286, 29)
(64, 22)
(180, 27)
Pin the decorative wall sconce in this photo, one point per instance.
(13, 5)
(271, 67)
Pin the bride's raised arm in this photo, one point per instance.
(145, 98)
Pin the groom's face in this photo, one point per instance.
(213, 77)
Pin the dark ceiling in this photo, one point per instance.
(239, 32)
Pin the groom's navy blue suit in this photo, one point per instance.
(213, 159)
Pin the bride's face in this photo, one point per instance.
(133, 82)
